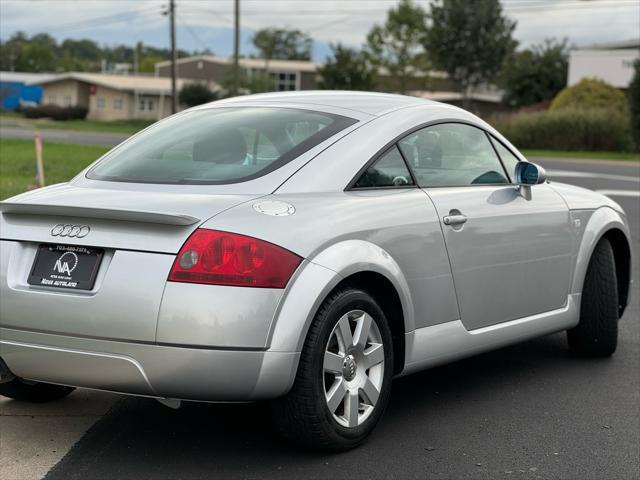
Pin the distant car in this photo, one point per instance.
(303, 248)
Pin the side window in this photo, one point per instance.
(452, 154)
(509, 160)
(388, 171)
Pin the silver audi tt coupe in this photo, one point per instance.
(303, 248)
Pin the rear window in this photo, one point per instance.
(218, 146)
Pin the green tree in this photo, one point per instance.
(148, 63)
(536, 74)
(396, 45)
(469, 40)
(194, 94)
(283, 44)
(589, 94)
(249, 82)
(36, 54)
(346, 69)
(634, 103)
(37, 57)
(11, 50)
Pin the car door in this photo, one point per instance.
(510, 253)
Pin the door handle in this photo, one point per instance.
(453, 220)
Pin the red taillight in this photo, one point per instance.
(223, 258)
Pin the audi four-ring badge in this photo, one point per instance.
(302, 249)
(66, 230)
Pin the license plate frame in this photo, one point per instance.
(54, 266)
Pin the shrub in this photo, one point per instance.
(194, 94)
(70, 113)
(55, 112)
(568, 129)
(590, 93)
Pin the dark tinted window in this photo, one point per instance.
(452, 154)
(388, 171)
(509, 160)
(219, 145)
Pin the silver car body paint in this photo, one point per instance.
(514, 271)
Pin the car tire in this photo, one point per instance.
(35, 392)
(597, 333)
(304, 415)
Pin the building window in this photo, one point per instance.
(146, 104)
(117, 103)
(67, 100)
(100, 103)
(51, 99)
(284, 81)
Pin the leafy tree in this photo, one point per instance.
(10, 51)
(469, 40)
(634, 104)
(249, 82)
(283, 44)
(346, 69)
(536, 74)
(148, 63)
(83, 50)
(37, 57)
(35, 54)
(194, 94)
(41, 53)
(397, 44)
(589, 94)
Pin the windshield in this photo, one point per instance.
(218, 145)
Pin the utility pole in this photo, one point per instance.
(172, 21)
(236, 48)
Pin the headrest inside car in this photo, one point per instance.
(223, 146)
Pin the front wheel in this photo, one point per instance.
(344, 376)
(597, 333)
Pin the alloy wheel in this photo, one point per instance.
(353, 368)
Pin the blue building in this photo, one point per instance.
(17, 88)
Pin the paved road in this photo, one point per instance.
(527, 411)
(65, 136)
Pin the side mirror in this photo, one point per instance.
(528, 174)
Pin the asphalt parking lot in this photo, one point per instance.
(526, 411)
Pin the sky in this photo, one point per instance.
(203, 24)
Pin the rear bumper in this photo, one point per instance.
(148, 369)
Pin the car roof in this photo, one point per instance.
(371, 103)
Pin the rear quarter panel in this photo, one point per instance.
(393, 232)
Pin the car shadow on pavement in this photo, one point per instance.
(447, 421)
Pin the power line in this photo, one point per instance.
(192, 32)
(100, 21)
(576, 6)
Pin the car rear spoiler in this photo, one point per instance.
(102, 213)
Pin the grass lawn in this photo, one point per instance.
(115, 126)
(61, 162)
(582, 154)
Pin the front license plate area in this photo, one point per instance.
(66, 266)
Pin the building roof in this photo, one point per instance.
(632, 44)
(24, 77)
(283, 65)
(445, 96)
(256, 63)
(138, 83)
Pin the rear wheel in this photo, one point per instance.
(36, 392)
(344, 376)
(597, 332)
